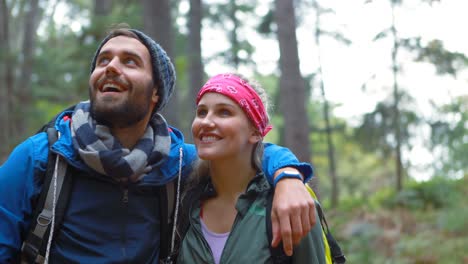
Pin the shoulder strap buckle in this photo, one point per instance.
(44, 218)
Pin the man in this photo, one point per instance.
(119, 150)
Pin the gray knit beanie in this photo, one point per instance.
(163, 69)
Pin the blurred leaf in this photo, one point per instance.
(339, 37)
(382, 34)
(266, 23)
(446, 62)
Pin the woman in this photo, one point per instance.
(227, 198)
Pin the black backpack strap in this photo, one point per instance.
(55, 183)
(335, 249)
(277, 253)
(166, 199)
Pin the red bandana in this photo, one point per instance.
(243, 94)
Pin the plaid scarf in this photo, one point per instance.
(103, 153)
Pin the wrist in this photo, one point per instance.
(287, 175)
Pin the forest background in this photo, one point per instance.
(391, 163)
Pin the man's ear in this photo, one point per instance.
(155, 96)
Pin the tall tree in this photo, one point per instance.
(194, 49)
(319, 31)
(376, 133)
(233, 39)
(226, 17)
(396, 96)
(292, 86)
(396, 69)
(102, 7)
(157, 23)
(102, 10)
(6, 78)
(22, 87)
(433, 52)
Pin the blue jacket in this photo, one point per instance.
(105, 221)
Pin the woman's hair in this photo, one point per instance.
(257, 153)
(200, 172)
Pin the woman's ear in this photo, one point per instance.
(255, 137)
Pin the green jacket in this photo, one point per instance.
(248, 240)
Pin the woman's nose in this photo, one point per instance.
(207, 121)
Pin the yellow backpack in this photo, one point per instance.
(333, 253)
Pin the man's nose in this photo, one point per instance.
(113, 67)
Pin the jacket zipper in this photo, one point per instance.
(125, 197)
(200, 233)
(124, 223)
(229, 237)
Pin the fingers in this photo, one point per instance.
(286, 234)
(312, 216)
(293, 212)
(306, 226)
(296, 226)
(309, 219)
(275, 225)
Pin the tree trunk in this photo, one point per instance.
(396, 110)
(292, 86)
(326, 116)
(194, 52)
(6, 79)
(235, 45)
(23, 89)
(102, 9)
(157, 23)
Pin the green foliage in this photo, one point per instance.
(46, 110)
(380, 230)
(350, 204)
(448, 132)
(265, 26)
(228, 18)
(437, 193)
(64, 68)
(384, 197)
(446, 62)
(429, 246)
(360, 249)
(454, 219)
(377, 133)
(416, 248)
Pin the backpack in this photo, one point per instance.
(58, 182)
(333, 253)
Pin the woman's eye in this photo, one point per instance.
(224, 112)
(201, 112)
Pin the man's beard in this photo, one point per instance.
(123, 115)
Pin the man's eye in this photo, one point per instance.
(130, 61)
(103, 61)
